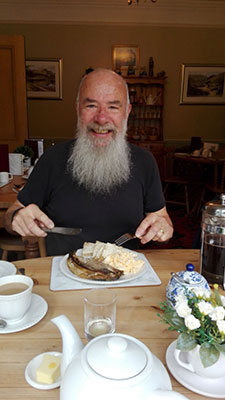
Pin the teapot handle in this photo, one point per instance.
(166, 394)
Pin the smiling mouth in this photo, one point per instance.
(98, 130)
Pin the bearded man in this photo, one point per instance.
(98, 181)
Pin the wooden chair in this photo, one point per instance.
(175, 187)
(217, 188)
(11, 243)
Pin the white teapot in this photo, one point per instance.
(112, 366)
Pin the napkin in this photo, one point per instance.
(59, 281)
(16, 163)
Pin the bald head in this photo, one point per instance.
(106, 76)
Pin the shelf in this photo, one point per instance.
(145, 105)
(146, 120)
(136, 80)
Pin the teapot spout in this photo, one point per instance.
(71, 342)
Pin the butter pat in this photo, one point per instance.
(49, 370)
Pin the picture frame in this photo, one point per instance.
(44, 78)
(202, 84)
(125, 56)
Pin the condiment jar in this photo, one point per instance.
(212, 261)
(183, 281)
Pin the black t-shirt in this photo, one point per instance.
(101, 217)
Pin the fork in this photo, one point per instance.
(124, 238)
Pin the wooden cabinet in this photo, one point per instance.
(146, 117)
(145, 124)
(13, 105)
(157, 149)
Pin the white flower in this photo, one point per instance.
(191, 322)
(181, 298)
(223, 300)
(221, 326)
(217, 313)
(205, 307)
(201, 293)
(182, 309)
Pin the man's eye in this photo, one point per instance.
(91, 106)
(113, 107)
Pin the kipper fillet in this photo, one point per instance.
(88, 268)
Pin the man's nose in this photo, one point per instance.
(101, 116)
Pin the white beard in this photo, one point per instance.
(100, 169)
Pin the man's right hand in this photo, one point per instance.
(28, 221)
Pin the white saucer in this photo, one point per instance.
(36, 312)
(7, 268)
(207, 387)
(30, 372)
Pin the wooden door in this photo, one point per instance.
(13, 104)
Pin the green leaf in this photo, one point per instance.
(217, 298)
(208, 354)
(220, 347)
(186, 342)
(174, 320)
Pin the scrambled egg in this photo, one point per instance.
(113, 255)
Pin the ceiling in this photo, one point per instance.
(205, 13)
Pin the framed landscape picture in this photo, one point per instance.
(44, 78)
(202, 84)
(125, 56)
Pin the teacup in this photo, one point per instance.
(195, 365)
(5, 177)
(15, 297)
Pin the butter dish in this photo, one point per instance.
(31, 369)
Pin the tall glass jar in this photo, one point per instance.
(213, 241)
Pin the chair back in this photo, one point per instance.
(168, 163)
(221, 185)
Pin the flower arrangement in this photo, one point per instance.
(199, 317)
(27, 151)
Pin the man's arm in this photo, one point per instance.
(26, 221)
(155, 226)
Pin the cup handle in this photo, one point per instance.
(183, 364)
(10, 177)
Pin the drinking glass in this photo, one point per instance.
(99, 312)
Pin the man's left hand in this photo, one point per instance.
(155, 226)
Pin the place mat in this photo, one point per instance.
(59, 281)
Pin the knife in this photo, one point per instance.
(63, 231)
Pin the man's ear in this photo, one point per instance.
(129, 110)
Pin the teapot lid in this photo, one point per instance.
(189, 276)
(117, 356)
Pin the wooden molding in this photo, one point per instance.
(201, 13)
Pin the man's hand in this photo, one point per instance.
(155, 226)
(28, 221)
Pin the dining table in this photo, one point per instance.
(137, 316)
(199, 171)
(199, 168)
